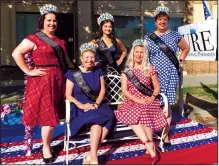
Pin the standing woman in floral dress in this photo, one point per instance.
(167, 70)
(45, 86)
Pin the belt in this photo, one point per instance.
(48, 65)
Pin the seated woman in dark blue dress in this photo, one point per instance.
(86, 109)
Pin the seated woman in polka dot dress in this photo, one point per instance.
(142, 113)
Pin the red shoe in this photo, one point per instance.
(147, 155)
(156, 158)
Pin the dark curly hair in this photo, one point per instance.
(161, 14)
(112, 35)
(40, 21)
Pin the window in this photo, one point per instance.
(25, 25)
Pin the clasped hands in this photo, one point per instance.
(86, 107)
(147, 100)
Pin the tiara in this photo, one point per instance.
(103, 17)
(137, 42)
(87, 46)
(161, 9)
(48, 8)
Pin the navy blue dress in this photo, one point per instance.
(103, 116)
(100, 55)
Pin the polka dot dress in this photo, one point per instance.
(166, 71)
(131, 112)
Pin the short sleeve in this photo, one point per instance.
(99, 71)
(146, 37)
(152, 70)
(32, 38)
(69, 76)
(178, 37)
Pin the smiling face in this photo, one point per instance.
(138, 54)
(50, 23)
(107, 28)
(162, 22)
(88, 59)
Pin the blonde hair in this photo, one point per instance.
(145, 65)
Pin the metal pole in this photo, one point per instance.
(141, 20)
(75, 29)
(181, 99)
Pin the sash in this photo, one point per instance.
(78, 76)
(110, 58)
(136, 82)
(165, 49)
(64, 61)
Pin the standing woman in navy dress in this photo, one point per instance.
(166, 71)
(110, 43)
(87, 111)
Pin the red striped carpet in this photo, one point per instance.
(192, 143)
(204, 154)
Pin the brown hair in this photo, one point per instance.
(161, 14)
(112, 35)
(40, 21)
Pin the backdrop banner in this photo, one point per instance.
(202, 38)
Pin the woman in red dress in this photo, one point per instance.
(142, 113)
(45, 86)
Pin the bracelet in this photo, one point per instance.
(96, 104)
(154, 96)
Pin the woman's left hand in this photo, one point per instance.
(181, 62)
(88, 107)
(149, 100)
(95, 106)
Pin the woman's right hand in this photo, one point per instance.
(86, 107)
(141, 101)
(37, 72)
(147, 100)
(94, 43)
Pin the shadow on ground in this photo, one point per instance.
(209, 90)
(199, 110)
(211, 108)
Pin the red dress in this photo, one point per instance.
(44, 95)
(131, 112)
